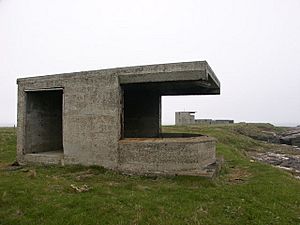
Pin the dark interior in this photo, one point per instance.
(44, 121)
(141, 116)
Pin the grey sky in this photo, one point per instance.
(252, 46)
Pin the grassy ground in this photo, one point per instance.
(245, 192)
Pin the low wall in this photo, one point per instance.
(177, 155)
(185, 156)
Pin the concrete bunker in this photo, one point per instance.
(112, 118)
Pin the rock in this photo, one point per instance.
(83, 188)
(283, 161)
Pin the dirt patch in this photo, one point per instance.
(4, 165)
(81, 175)
(84, 176)
(238, 175)
(10, 167)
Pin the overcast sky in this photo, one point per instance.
(252, 46)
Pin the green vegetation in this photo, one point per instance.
(245, 192)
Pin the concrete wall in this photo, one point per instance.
(204, 121)
(167, 156)
(91, 117)
(44, 121)
(141, 114)
(184, 118)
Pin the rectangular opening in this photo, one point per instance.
(43, 128)
(141, 113)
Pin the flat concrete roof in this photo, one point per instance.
(185, 112)
(170, 79)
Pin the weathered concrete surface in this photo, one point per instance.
(184, 118)
(56, 157)
(93, 116)
(166, 155)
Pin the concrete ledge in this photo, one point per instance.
(44, 158)
(168, 156)
(181, 139)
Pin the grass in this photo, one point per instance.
(244, 193)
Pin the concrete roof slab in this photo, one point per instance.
(169, 79)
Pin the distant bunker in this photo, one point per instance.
(112, 118)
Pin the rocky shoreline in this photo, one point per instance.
(291, 137)
(286, 161)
